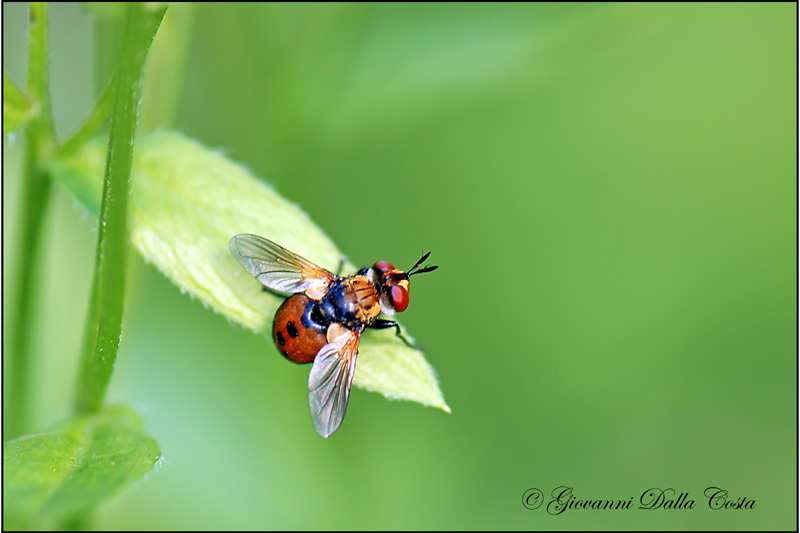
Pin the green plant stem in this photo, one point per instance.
(93, 122)
(16, 105)
(104, 321)
(35, 194)
(166, 68)
(39, 73)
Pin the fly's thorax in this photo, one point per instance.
(352, 301)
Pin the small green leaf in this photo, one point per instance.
(58, 475)
(17, 107)
(188, 202)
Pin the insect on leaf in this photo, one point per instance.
(188, 201)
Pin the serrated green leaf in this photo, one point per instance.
(188, 201)
(58, 475)
(17, 107)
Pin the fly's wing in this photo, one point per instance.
(330, 380)
(278, 268)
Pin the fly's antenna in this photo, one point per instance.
(416, 270)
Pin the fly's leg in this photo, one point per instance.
(386, 324)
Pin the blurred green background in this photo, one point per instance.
(609, 190)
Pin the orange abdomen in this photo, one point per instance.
(298, 331)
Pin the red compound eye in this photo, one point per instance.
(384, 266)
(399, 297)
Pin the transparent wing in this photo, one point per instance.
(330, 380)
(278, 268)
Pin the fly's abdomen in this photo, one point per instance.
(299, 330)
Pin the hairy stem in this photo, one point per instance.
(104, 321)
